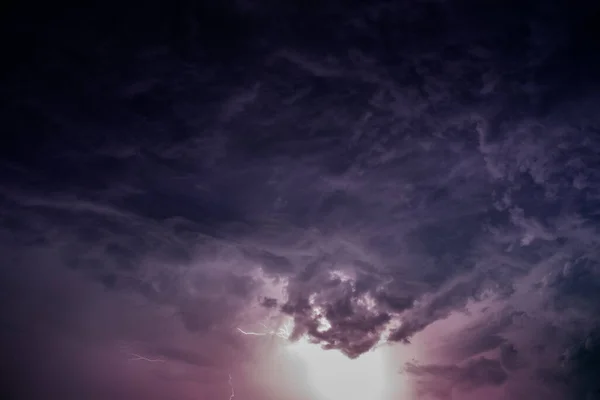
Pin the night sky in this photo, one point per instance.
(300, 200)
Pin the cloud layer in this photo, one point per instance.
(432, 180)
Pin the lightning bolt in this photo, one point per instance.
(136, 357)
(283, 332)
(232, 395)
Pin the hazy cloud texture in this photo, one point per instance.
(404, 170)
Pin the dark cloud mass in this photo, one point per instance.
(476, 373)
(399, 171)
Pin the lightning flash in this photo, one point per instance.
(125, 348)
(283, 332)
(136, 357)
(232, 395)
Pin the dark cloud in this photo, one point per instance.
(509, 356)
(475, 374)
(488, 333)
(268, 302)
(577, 375)
(581, 367)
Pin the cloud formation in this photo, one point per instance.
(375, 181)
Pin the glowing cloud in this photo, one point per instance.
(332, 375)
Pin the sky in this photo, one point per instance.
(302, 200)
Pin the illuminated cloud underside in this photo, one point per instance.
(332, 375)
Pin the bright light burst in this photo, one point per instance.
(332, 375)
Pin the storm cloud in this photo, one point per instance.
(407, 172)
